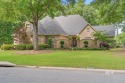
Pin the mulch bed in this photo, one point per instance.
(30, 52)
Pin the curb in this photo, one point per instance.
(75, 69)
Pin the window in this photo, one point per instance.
(88, 29)
(27, 25)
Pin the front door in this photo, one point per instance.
(74, 42)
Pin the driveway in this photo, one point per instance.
(34, 75)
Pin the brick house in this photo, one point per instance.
(61, 28)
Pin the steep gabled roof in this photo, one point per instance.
(108, 28)
(49, 26)
(71, 24)
(67, 25)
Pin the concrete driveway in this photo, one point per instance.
(34, 75)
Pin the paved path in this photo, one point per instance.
(6, 64)
(34, 75)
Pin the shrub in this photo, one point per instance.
(86, 43)
(86, 49)
(117, 46)
(69, 37)
(24, 47)
(62, 44)
(29, 47)
(20, 47)
(7, 47)
(50, 42)
(77, 38)
(93, 49)
(43, 46)
(76, 48)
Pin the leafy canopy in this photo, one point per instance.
(120, 39)
(101, 35)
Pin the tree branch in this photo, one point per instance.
(40, 15)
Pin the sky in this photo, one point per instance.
(88, 1)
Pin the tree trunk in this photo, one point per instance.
(35, 35)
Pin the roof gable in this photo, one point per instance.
(86, 27)
(87, 33)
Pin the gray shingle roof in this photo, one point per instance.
(108, 28)
(67, 25)
(71, 24)
(49, 26)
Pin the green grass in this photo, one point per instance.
(80, 59)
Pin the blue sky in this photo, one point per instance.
(88, 1)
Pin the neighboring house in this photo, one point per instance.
(60, 28)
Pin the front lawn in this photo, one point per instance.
(113, 59)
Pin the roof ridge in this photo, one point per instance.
(59, 25)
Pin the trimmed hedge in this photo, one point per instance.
(7, 47)
(24, 47)
(43, 46)
(20, 47)
(75, 49)
(86, 49)
(29, 47)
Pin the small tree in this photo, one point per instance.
(101, 35)
(86, 43)
(77, 38)
(70, 41)
(111, 42)
(50, 42)
(69, 37)
(120, 39)
(62, 44)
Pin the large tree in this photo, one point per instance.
(99, 12)
(6, 31)
(32, 11)
(110, 11)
